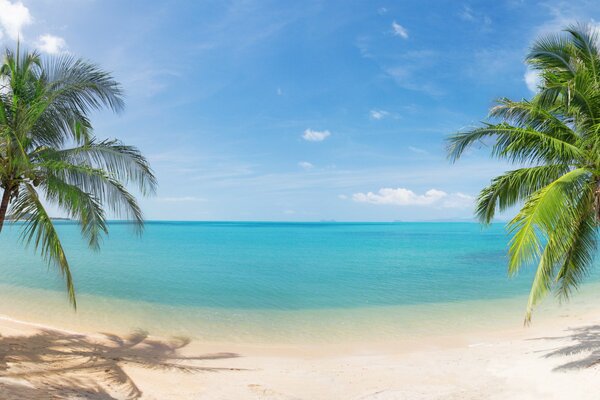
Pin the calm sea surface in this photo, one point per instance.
(204, 278)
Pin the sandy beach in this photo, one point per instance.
(555, 359)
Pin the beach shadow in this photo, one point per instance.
(585, 342)
(70, 389)
(61, 365)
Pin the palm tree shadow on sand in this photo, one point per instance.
(58, 365)
(585, 345)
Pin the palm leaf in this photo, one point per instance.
(515, 186)
(39, 230)
(542, 212)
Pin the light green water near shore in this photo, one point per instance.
(280, 282)
(365, 324)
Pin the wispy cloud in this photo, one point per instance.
(493, 64)
(311, 135)
(417, 150)
(399, 30)
(51, 44)
(406, 197)
(563, 14)
(182, 199)
(466, 14)
(470, 15)
(305, 165)
(405, 77)
(13, 17)
(378, 114)
(458, 200)
(149, 81)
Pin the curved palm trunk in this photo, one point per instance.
(4, 207)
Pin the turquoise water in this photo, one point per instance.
(258, 268)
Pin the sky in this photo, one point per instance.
(304, 110)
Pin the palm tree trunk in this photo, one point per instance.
(4, 207)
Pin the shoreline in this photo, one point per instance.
(431, 322)
(554, 359)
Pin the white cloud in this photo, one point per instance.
(342, 197)
(315, 136)
(399, 197)
(51, 44)
(382, 10)
(458, 200)
(306, 165)
(466, 14)
(532, 80)
(406, 197)
(417, 150)
(279, 91)
(399, 30)
(183, 199)
(378, 114)
(13, 17)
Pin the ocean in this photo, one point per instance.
(268, 281)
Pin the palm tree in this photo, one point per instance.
(48, 154)
(555, 138)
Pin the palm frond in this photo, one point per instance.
(515, 144)
(512, 187)
(81, 84)
(569, 251)
(553, 53)
(105, 188)
(584, 38)
(545, 210)
(79, 205)
(533, 115)
(123, 162)
(39, 230)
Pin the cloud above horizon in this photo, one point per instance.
(407, 197)
(399, 30)
(532, 80)
(418, 150)
(51, 44)
(470, 15)
(305, 165)
(311, 135)
(13, 17)
(378, 114)
(182, 199)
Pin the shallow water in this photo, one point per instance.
(267, 281)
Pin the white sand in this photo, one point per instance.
(553, 360)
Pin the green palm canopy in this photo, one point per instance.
(48, 154)
(555, 139)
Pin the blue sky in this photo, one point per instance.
(301, 111)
